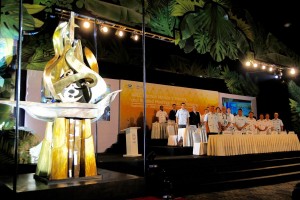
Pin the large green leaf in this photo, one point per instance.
(212, 31)
(37, 51)
(181, 7)
(202, 43)
(161, 21)
(295, 115)
(294, 90)
(114, 13)
(10, 19)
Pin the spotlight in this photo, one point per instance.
(120, 33)
(271, 69)
(135, 37)
(86, 24)
(263, 67)
(104, 29)
(255, 65)
(293, 71)
(248, 63)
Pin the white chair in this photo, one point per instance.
(199, 148)
(172, 140)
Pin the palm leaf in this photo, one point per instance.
(295, 115)
(182, 7)
(161, 21)
(9, 22)
(294, 90)
(115, 13)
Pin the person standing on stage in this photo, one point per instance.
(231, 118)
(269, 123)
(224, 119)
(206, 110)
(277, 123)
(172, 113)
(212, 122)
(194, 117)
(261, 124)
(182, 117)
(162, 116)
(251, 121)
(240, 122)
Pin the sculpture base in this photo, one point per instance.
(47, 181)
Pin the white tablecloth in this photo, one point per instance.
(227, 145)
(163, 130)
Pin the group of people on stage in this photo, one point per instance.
(217, 120)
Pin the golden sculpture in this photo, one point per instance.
(76, 98)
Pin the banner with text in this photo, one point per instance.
(132, 101)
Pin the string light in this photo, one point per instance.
(104, 29)
(112, 25)
(135, 36)
(276, 69)
(86, 24)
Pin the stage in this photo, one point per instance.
(169, 170)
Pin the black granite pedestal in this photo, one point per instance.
(110, 185)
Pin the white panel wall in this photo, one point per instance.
(107, 130)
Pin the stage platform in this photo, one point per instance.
(108, 185)
(165, 170)
(191, 174)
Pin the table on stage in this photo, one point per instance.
(229, 145)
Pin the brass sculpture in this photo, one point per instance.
(76, 98)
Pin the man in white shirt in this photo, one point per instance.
(269, 123)
(240, 122)
(182, 120)
(277, 123)
(261, 124)
(162, 116)
(211, 122)
(231, 118)
(182, 117)
(224, 120)
(251, 121)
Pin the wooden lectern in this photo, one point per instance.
(131, 142)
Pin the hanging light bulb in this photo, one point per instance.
(120, 33)
(135, 36)
(293, 71)
(86, 24)
(104, 29)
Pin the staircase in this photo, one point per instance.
(205, 174)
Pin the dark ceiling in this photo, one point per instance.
(281, 18)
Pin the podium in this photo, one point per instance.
(131, 142)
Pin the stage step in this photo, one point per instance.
(172, 150)
(215, 173)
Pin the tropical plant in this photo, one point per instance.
(37, 51)
(239, 84)
(207, 26)
(9, 24)
(294, 91)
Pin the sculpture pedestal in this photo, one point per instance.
(67, 150)
(131, 142)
